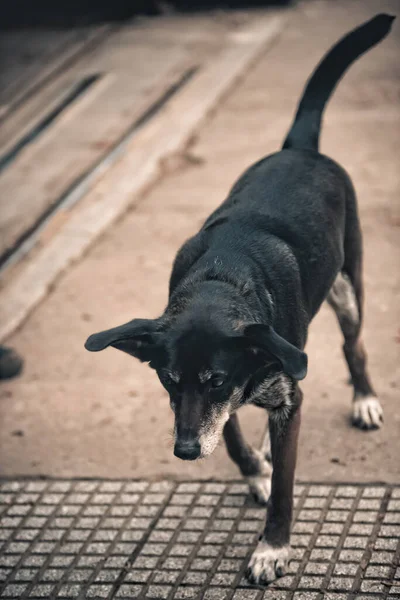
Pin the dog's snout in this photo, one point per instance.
(187, 449)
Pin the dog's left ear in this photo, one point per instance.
(293, 360)
(138, 338)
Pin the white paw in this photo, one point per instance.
(260, 488)
(267, 563)
(367, 412)
(260, 485)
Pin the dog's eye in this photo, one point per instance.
(169, 379)
(217, 381)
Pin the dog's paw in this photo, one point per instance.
(367, 412)
(267, 563)
(260, 484)
(260, 488)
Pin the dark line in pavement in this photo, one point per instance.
(37, 130)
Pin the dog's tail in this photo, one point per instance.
(304, 132)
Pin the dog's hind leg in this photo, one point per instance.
(346, 298)
(252, 463)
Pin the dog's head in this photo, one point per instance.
(207, 367)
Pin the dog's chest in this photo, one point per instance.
(273, 392)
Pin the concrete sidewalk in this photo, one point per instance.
(162, 540)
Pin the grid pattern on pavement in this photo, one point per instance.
(165, 540)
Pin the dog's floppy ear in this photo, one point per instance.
(138, 338)
(293, 360)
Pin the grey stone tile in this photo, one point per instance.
(195, 524)
(137, 576)
(223, 579)
(145, 562)
(158, 592)
(5, 573)
(188, 537)
(204, 500)
(136, 486)
(310, 582)
(373, 492)
(42, 590)
(368, 504)
(301, 540)
(346, 491)
(153, 549)
(316, 568)
(26, 575)
(129, 591)
(216, 594)
(340, 583)
(186, 488)
(102, 590)
(352, 541)
(78, 535)
(181, 550)
(209, 551)
(14, 590)
(169, 577)
(386, 544)
(86, 486)
(365, 516)
(161, 536)
(245, 595)
(232, 500)
(177, 511)
(214, 488)
(321, 554)
(115, 562)
(168, 523)
(219, 537)
(156, 499)
(304, 527)
(202, 564)
(371, 586)
(236, 551)
(107, 575)
(360, 529)
(201, 512)
(174, 563)
(349, 569)
(186, 592)
(69, 590)
(80, 575)
(351, 555)
(182, 499)
(378, 571)
(382, 557)
(111, 486)
(161, 486)
(314, 502)
(195, 578)
(230, 565)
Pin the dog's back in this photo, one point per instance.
(295, 200)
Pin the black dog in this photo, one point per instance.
(242, 294)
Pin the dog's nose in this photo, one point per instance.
(187, 449)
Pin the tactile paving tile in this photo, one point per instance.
(165, 540)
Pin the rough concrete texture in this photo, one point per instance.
(75, 413)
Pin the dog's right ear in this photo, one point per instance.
(139, 338)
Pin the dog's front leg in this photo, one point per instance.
(272, 554)
(252, 463)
